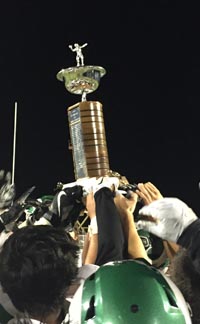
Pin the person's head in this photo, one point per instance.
(187, 280)
(37, 265)
(131, 292)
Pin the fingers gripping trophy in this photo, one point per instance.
(85, 118)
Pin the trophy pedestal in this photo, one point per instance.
(88, 139)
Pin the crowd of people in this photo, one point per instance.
(139, 263)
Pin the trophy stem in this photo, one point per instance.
(83, 98)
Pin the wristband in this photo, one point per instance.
(93, 228)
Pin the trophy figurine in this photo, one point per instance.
(86, 121)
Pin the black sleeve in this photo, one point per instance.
(111, 241)
(190, 239)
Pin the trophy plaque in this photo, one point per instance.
(85, 118)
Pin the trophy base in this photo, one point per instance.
(89, 147)
(81, 79)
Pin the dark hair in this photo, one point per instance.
(37, 265)
(187, 279)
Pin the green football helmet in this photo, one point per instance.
(130, 291)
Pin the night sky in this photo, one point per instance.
(150, 93)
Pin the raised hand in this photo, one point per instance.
(148, 192)
(166, 218)
(7, 190)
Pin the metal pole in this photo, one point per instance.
(14, 144)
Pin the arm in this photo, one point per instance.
(7, 190)
(126, 207)
(173, 220)
(166, 218)
(148, 193)
(171, 248)
(190, 239)
(90, 248)
(71, 48)
(83, 45)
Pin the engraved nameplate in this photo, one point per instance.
(77, 143)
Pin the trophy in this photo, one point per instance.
(85, 118)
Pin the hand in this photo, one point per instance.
(12, 214)
(124, 204)
(17, 209)
(7, 190)
(166, 218)
(66, 207)
(148, 192)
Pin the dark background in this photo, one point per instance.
(150, 93)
